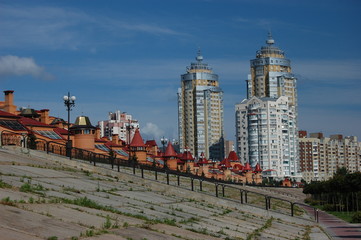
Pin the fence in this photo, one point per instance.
(218, 188)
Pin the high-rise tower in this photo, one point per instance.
(271, 74)
(200, 111)
(266, 122)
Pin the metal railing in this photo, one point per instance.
(225, 189)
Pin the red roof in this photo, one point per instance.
(225, 163)
(187, 156)
(6, 114)
(31, 122)
(151, 143)
(202, 159)
(110, 144)
(238, 166)
(170, 152)
(258, 168)
(247, 167)
(61, 131)
(232, 156)
(137, 140)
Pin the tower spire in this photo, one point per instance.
(199, 57)
(270, 39)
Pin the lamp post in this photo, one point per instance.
(69, 102)
(164, 141)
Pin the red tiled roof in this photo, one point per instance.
(187, 156)
(202, 159)
(170, 152)
(31, 122)
(151, 143)
(247, 167)
(6, 114)
(225, 163)
(137, 140)
(100, 140)
(110, 144)
(258, 168)
(238, 166)
(232, 156)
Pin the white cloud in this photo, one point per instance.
(62, 28)
(151, 131)
(328, 70)
(21, 66)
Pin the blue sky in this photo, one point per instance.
(129, 55)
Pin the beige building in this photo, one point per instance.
(266, 122)
(200, 111)
(320, 156)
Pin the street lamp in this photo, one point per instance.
(69, 102)
(164, 141)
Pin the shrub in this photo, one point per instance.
(328, 207)
(356, 218)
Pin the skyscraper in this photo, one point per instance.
(200, 111)
(266, 122)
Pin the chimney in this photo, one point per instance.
(115, 139)
(318, 135)
(336, 137)
(44, 116)
(302, 134)
(97, 133)
(9, 102)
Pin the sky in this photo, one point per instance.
(129, 55)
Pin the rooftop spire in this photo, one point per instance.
(270, 40)
(199, 57)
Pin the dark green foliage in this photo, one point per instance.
(356, 218)
(340, 193)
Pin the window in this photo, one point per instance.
(12, 124)
(48, 134)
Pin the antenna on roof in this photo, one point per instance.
(199, 57)
(270, 40)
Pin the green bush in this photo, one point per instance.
(328, 207)
(312, 202)
(356, 218)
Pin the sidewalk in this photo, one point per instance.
(337, 228)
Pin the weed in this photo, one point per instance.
(7, 201)
(53, 238)
(125, 224)
(107, 223)
(4, 184)
(306, 235)
(28, 187)
(89, 233)
(189, 220)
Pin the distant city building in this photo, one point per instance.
(228, 147)
(266, 122)
(119, 123)
(320, 156)
(200, 112)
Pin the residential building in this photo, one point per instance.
(228, 147)
(320, 156)
(200, 111)
(119, 123)
(266, 122)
